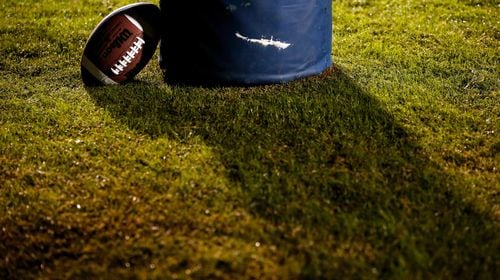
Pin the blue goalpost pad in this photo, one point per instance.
(244, 42)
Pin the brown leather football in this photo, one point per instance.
(121, 45)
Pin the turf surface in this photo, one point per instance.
(385, 166)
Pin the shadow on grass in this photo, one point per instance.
(324, 156)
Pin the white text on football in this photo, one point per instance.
(117, 43)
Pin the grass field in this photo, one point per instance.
(384, 167)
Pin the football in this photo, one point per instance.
(121, 45)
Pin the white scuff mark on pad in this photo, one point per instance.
(231, 8)
(265, 42)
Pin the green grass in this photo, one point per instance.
(383, 167)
